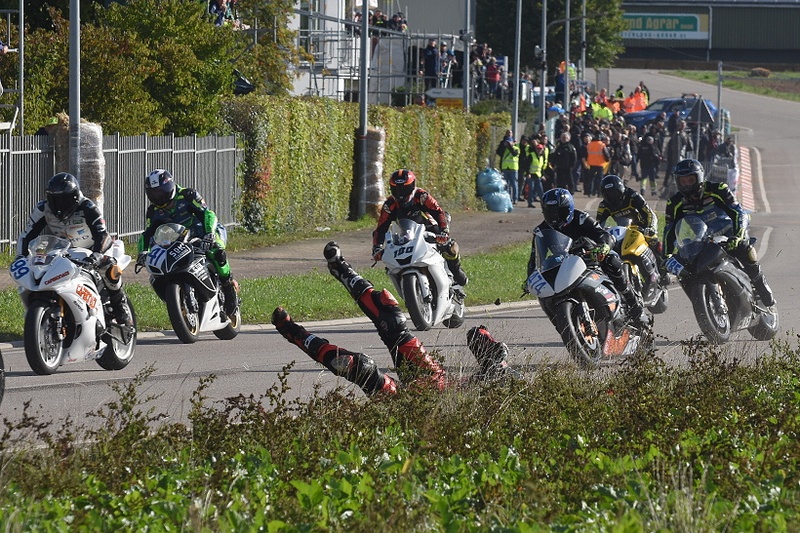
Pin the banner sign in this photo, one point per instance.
(671, 26)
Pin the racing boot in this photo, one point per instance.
(638, 316)
(357, 368)
(490, 354)
(341, 270)
(120, 309)
(230, 289)
(764, 291)
(451, 255)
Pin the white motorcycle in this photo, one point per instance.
(421, 277)
(67, 316)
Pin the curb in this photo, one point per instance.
(477, 310)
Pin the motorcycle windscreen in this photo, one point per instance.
(402, 231)
(690, 233)
(44, 248)
(551, 248)
(168, 233)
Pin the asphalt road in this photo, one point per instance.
(251, 363)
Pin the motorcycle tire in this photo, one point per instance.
(421, 311)
(765, 326)
(117, 354)
(232, 329)
(661, 304)
(456, 320)
(585, 349)
(714, 323)
(185, 324)
(43, 348)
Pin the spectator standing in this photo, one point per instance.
(432, 64)
(563, 160)
(48, 128)
(538, 163)
(597, 157)
(508, 151)
(679, 143)
(524, 168)
(649, 158)
(493, 77)
(728, 152)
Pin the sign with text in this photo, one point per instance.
(444, 93)
(671, 26)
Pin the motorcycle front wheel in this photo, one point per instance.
(43, 347)
(185, 323)
(711, 311)
(117, 354)
(579, 336)
(421, 311)
(232, 329)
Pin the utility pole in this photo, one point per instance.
(358, 196)
(566, 61)
(518, 45)
(74, 88)
(543, 72)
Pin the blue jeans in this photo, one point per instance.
(511, 184)
(535, 189)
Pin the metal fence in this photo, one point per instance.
(208, 164)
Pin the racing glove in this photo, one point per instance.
(208, 241)
(733, 243)
(600, 251)
(141, 259)
(377, 252)
(442, 238)
(649, 232)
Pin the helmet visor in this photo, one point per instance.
(687, 182)
(402, 193)
(162, 194)
(62, 205)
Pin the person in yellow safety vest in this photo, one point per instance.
(603, 112)
(597, 157)
(538, 153)
(508, 151)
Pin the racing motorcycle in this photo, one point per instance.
(421, 277)
(68, 315)
(722, 295)
(188, 283)
(640, 264)
(581, 301)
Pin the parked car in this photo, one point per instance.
(681, 105)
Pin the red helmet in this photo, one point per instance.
(403, 184)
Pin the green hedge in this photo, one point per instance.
(298, 165)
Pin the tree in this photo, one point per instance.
(497, 22)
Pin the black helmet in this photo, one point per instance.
(403, 183)
(63, 195)
(613, 190)
(159, 187)
(558, 208)
(690, 178)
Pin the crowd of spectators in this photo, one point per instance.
(224, 12)
(605, 144)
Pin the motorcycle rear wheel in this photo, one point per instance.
(714, 323)
(421, 311)
(185, 323)
(232, 329)
(117, 354)
(43, 348)
(584, 347)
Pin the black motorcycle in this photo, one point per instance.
(723, 298)
(582, 302)
(188, 283)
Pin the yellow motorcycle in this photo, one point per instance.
(641, 264)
